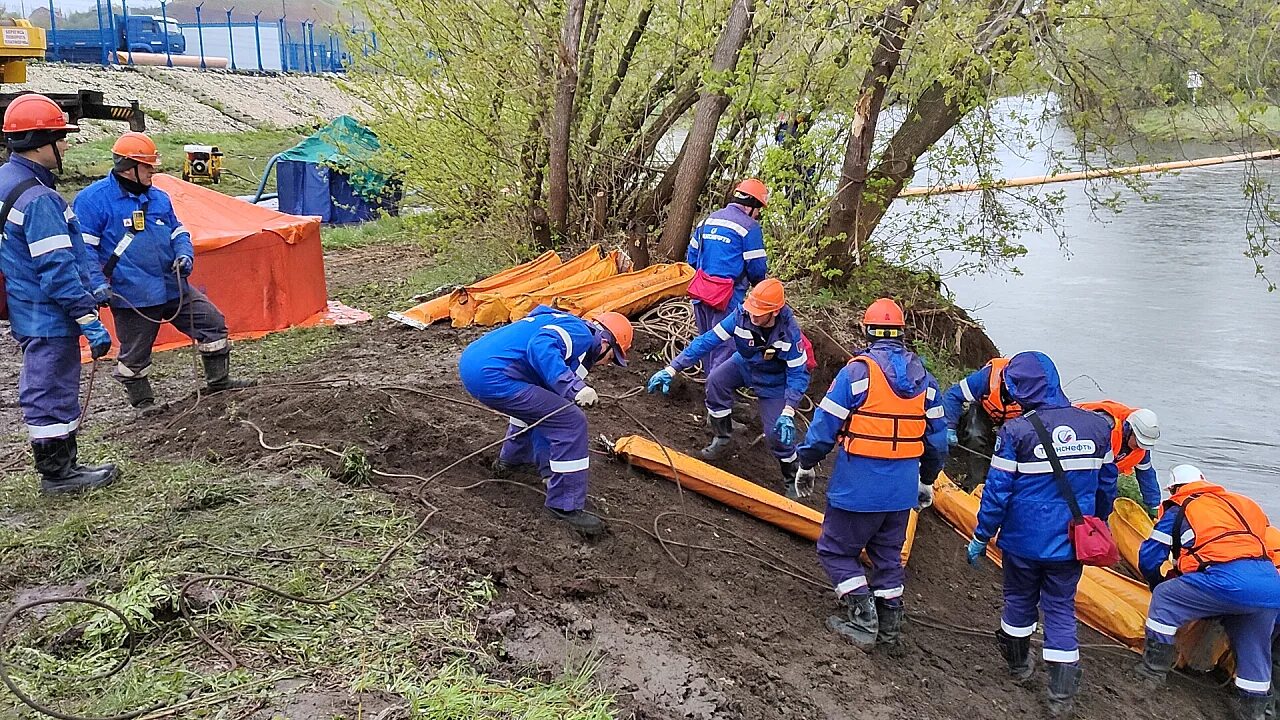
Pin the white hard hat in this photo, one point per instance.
(1145, 426)
(1181, 475)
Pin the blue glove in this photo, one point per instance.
(975, 550)
(661, 380)
(102, 295)
(785, 429)
(952, 440)
(183, 265)
(97, 335)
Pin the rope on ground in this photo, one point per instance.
(672, 323)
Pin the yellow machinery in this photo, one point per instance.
(203, 164)
(20, 41)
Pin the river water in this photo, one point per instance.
(1159, 307)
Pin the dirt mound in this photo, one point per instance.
(707, 634)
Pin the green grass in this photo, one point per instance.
(384, 230)
(411, 632)
(1128, 486)
(1206, 123)
(246, 155)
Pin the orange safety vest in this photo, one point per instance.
(1227, 527)
(1119, 414)
(993, 402)
(886, 426)
(1272, 538)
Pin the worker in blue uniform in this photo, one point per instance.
(147, 255)
(1023, 503)
(727, 254)
(1221, 566)
(535, 371)
(883, 412)
(53, 291)
(768, 358)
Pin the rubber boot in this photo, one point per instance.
(1064, 683)
(1273, 707)
(1017, 653)
(789, 470)
(587, 523)
(860, 624)
(722, 427)
(217, 372)
(1252, 707)
(141, 397)
(504, 470)
(55, 460)
(1157, 661)
(890, 613)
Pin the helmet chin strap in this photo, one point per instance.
(57, 155)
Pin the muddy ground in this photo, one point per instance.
(713, 636)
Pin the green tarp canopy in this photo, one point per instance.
(346, 146)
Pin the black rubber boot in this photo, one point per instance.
(1252, 707)
(141, 397)
(217, 372)
(1017, 653)
(1157, 661)
(55, 460)
(1064, 683)
(504, 470)
(1273, 707)
(722, 427)
(860, 623)
(789, 469)
(890, 614)
(587, 523)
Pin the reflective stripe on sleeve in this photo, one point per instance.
(935, 412)
(964, 390)
(721, 332)
(49, 244)
(564, 335)
(753, 255)
(90, 239)
(729, 224)
(1003, 463)
(1160, 537)
(798, 361)
(859, 386)
(178, 231)
(834, 408)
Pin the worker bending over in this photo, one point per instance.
(147, 255)
(52, 289)
(976, 407)
(727, 254)
(1134, 432)
(535, 370)
(1023, 503)
(1221, 567)
(884, 413)
(769, 359)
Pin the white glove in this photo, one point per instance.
(805, 480)
(586, 397)
(924, 496)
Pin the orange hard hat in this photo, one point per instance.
(137, 146)
(884, 313)
(766, 297)
(620, 332)
(35, 112)
(751, 188)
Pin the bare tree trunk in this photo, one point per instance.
(589, 49)
(693, 169)
(599, 216)
(562, 124)
(637, 247)
(848, 206)
(619, 75)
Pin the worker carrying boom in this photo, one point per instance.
(976, 407)
(535, 371)
(883, 411)
(1221, 561)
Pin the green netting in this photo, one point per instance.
(348, 147)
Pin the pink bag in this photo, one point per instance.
(1092, 541)
(712, 290)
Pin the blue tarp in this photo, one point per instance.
(330, 174)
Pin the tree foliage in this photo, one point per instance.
(893, 91)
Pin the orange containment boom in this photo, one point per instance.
(732, 490)
(587, 285)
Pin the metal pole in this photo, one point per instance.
(53, 32)
(231, 38)
(200, 34)
(128, 46)
(109, 42)
(168, 51)
(257, 38)
(284, 46)
(306, 61)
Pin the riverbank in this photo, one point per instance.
(1207, 124)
